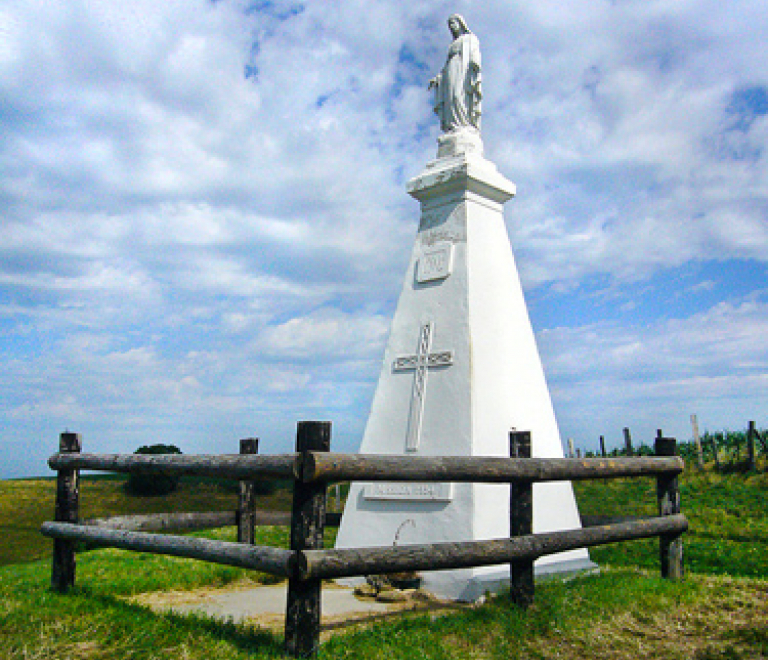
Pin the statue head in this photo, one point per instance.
(457, 25)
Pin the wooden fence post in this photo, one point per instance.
(302, 619)
(628, 442)
(668, 494)
(697, 441)
(751, 453)
(67, 510)
(246, 503)
(521, 582)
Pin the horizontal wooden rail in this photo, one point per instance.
(276, 561)
(487, 469)
(231, 466)
(320, 466)
(157, 522)
(349, 562)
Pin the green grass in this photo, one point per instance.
(611, 615)
(619, 614)
(728, 517)
(129, 573)
(94, 621)
(717, 613)
(26, 503)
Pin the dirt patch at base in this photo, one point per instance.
(264, 606)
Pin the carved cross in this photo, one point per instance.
(420, 364)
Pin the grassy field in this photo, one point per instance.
(728, 516)
(26, 503)
(717, 613)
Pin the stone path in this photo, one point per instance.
(265, 605)
(251, 602)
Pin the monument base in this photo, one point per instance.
(498, 581)
(494, 579)
(465, 141)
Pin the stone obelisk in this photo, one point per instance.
(461, 368)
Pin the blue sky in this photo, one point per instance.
(205, 225)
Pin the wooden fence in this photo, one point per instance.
(312, 468)
(246, 517)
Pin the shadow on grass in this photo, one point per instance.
(243, 636)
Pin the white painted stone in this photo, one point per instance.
(461, 141)
(488, 381)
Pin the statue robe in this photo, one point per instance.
(458, 93)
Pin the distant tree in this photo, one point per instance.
(151, 485)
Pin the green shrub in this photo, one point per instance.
(156, 484)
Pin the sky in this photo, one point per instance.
(205, 226)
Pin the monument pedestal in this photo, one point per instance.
(461, 370)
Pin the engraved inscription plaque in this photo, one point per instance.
(436, 263)
(414, 492)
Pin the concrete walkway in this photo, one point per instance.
(262, 603)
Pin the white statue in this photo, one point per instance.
(458, 91)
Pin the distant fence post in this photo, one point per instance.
(247, 499)
(521, 582)
(751, 453)
(668, 494)
(67, 510)
(302, 619)
(697, 441)
(628, 442)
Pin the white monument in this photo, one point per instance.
(461, 368)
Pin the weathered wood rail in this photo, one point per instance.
(246, 517)
(350, 562)
(312, 467)
(230, 466)
(371, 467)
(197, 520)
(158, 522)
(276, 561)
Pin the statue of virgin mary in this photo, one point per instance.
(458, 91)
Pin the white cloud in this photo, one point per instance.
(714, 363)
(326, 334)
(186, 245)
